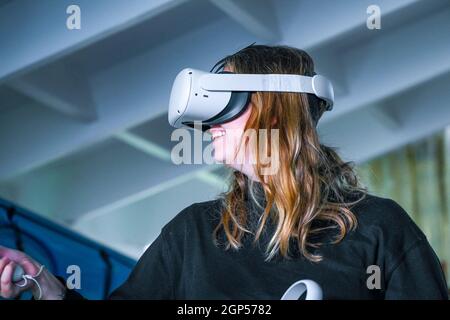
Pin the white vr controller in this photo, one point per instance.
(18, 274)
(297, 289)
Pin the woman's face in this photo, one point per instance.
(227, 142)
(227, 137)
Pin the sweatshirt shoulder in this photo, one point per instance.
(193, 216)
(385, 215)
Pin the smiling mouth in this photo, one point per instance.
(215, 137)
(217, 134)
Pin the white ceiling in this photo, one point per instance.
(84, 137)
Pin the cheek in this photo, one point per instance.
(225, 147)
(232, 144)
(224, 144)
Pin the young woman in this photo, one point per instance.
(310, 219)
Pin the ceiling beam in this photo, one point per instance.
(157, 151)
(108, 176)
(312, 24)
(376, 73)
(204, 175)
(255, 16)
(385, 116)
(143, 145)
(60, 87)
(33, 33)
(360, 136)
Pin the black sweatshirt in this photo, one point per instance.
(184, 263)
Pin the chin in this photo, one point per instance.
(219, 151)
(218, 156)
(219, 159)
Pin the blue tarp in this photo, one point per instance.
(102, 269)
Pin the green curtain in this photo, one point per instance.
(417, 176)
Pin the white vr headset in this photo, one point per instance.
(215, 98)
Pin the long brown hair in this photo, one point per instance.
(312, 182)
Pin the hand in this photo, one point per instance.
(52, 288)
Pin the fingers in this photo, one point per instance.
(9, 259)
(3, 262)
(28, 264)
(8, 289)
(12, 254)
(6, 286)
(3, 251)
